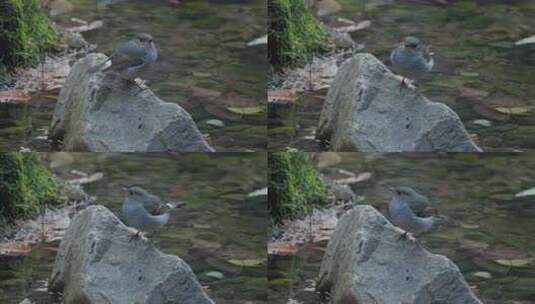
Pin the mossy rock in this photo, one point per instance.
(25, 32)
(294, 34)
(25, 186)
(294, 186)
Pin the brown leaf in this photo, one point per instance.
(87, 27)
(282, 248)
(353, 180)
(354, 27)
(281, 96)
(14, 248)
(14, 95)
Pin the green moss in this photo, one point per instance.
(293, 34)
(25, 185)
(25, 32)
(294, 186)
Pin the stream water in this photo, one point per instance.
(204, 65)
(219, 223)
(483, 220)
(478, 68)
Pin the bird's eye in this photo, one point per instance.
(131, 192)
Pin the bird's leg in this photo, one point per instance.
(407, 236)
(408, 83)
(402, 84)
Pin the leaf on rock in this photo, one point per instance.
(528, 40)
(282, 96)
(354, 27)
(514, 110)
(282, 248)
(245, 262)
(247, 110)
(527, 192)
(14, 95)
(513, 262)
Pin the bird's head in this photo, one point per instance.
(145, 38)
(136, 193)
(412, 43)
(409, 195)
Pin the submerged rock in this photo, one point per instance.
(100, 112)
(97, 262)
(365, 110)
(367, 262)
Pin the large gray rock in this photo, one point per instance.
(100, 112)
(366, 111)
(97, 262)
(367, 262)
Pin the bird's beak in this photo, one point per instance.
(390, 188)
(124, 188)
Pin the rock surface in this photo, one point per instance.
(366, 111)
(100, 112)
(367, 262)
(98, 262)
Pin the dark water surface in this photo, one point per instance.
(219, 223)
(204, 66)
(477, 69)
(482, 222)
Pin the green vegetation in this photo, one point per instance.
(294, 186)
(25, 32)
(25, 185)
(293, 34)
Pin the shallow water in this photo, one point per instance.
(219, 222)
(482, 219)
(474, 48)
(204, 65)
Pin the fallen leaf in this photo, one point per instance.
(14, 95)
(259, 41)
(513, 262)
(528, 40)
(87, 27)
(259, 192)
(513, 110)
(483, 274)
(215, 275)
(282, 96)
(245, 262)
(14, 248)
(354, 27)
(282, 248)
(482, 122)
(527, 192)
(353, 180)
(247, 110)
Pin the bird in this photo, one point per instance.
(135, 210)
(411, 58)
(404, 216)
(132, 57)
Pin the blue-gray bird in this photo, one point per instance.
(135, 210)
(411, 59)
(404, 208)
(132, 57)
